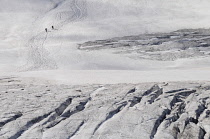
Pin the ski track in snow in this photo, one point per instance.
(39, 57)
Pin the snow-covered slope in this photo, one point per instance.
(42, 94)
(25, 45)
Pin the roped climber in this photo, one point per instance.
(46, 29)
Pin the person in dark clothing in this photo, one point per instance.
(52, 27)
(46, 29)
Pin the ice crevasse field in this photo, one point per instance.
(26, 50)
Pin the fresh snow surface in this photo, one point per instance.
(26, 47)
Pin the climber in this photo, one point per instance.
(52, 27)
(46, 29)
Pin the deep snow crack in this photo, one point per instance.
(110, 115)
(63, 116)
(158, 122)
(12, 118)
(77, 130)
(29, 124)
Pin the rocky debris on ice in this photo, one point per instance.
(171, 46)
(173, 110)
